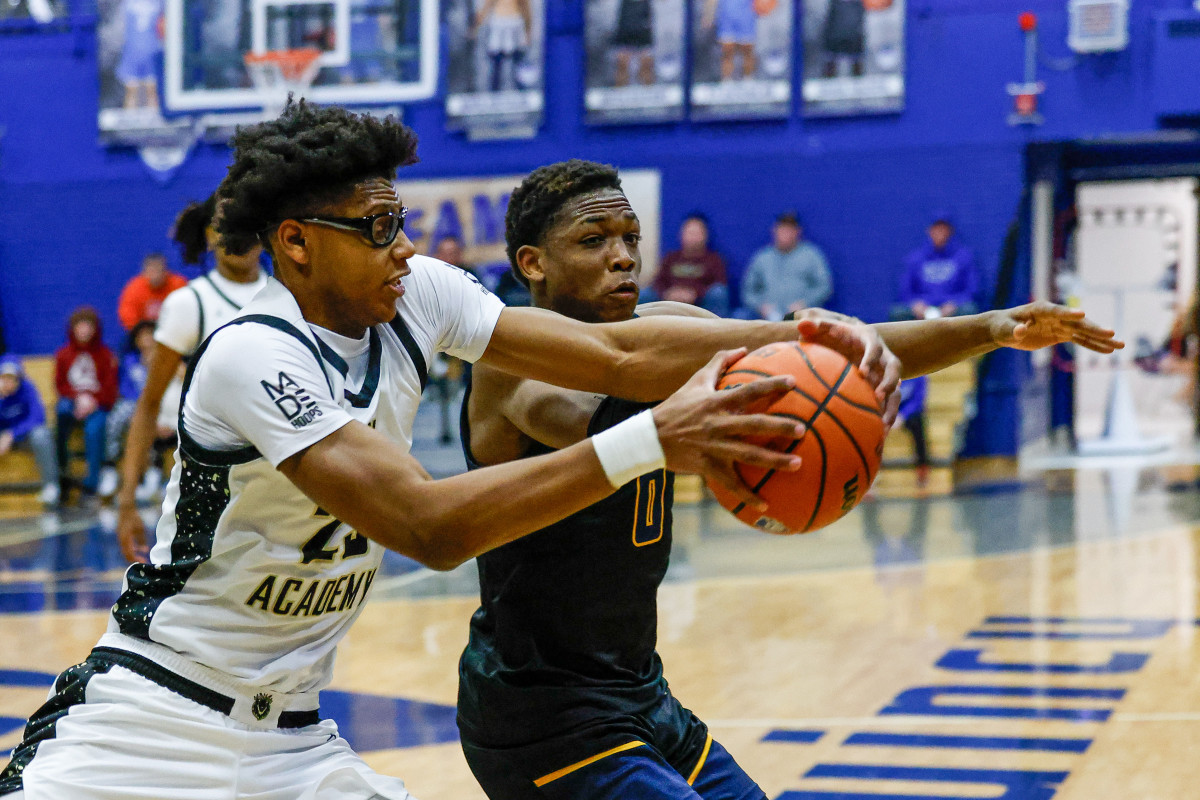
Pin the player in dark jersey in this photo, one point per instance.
(561, 691)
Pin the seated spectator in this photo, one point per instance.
(788, 276)
(693, 273)
(85, 374)
(449, 248)
(134, 364)
(143, 296)
(23, 424)
(940, 278)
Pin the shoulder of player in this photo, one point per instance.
(669, 308)
(427, 266)
(237, 348)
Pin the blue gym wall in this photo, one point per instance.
(75, 218)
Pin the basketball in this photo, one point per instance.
(840, 450)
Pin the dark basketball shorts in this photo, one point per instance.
(664, 753)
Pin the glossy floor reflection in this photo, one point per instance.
(1035, 641)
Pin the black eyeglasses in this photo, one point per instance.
(378, 229)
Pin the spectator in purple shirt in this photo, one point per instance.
(694, 274)
(940, 277)
(23, 424)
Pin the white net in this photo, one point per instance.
(278, 73)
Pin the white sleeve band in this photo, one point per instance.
(629, 449)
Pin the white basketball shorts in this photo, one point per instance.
(132, 739)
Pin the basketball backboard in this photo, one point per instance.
(374, 52)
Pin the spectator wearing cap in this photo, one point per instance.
(940, 278)
(788, 276)
(23, 424)
(693, 274)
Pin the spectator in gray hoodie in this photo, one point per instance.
(788, 276)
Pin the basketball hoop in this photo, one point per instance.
(278, 73)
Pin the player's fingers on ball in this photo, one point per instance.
(727, 358)
(756, 392)
(809, 328)
(727, 477)
(891, 409)
(764, 426)
(871, 364)
(764, 457)
(710, 373)
(889, 383)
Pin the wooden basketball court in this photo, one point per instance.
(1035, 642)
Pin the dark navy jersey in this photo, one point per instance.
(566, 629)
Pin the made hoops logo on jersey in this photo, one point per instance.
(292, 400)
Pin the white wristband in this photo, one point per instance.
(629, 449)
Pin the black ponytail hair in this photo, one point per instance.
(190, 227)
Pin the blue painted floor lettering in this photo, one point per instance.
(1085, 705)
(1017, 784)
(969, 742)
(972, 661)
(795, 737)
(922, 701)
(1094, 628)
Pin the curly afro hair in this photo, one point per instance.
(189, 228)
(535, 204)
(309, 158)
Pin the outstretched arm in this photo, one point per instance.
(925, 346)
(646, 359)
(507, 412)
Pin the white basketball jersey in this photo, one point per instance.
(248, 576)
(190, 314)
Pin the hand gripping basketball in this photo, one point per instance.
(706, 431)
(840, 452)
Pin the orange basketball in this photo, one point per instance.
(840, 450)
(764, 7)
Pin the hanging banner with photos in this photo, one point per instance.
(741, 59)
(634, 56)
(853, 57)
(494, 67)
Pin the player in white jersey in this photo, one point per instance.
(186, 319)
(293, 474)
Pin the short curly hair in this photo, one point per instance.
(308, 158)
(535, 205)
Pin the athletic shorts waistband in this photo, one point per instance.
(253, 706)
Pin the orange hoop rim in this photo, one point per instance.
(292, 63)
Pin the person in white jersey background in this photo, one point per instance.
(186, 319)
(293, 473)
